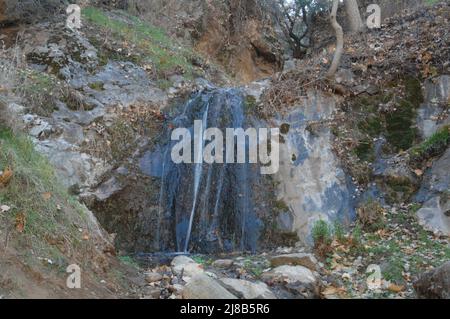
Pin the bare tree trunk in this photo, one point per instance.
(340, 41)
(354, 16)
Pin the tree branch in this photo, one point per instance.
(339, 38)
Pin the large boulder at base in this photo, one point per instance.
(201, 286)
(248, 290)
(186, 266)
(434, 284)
(290, 274)
(296, 282)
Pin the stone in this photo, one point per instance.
(290, 274)
(311, 181)
(248, 290)
(345, 76)
(43, 128)
(107, 189)
(429, 115)
(72, 167)
(433, 216)
(436, 180)
(202, 286)
(151, 292)
(223, 263)
(186, 266)
(152, 277)
(299, 259)
(434, 284)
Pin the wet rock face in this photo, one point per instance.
(312, 184)
(435, 213)
(434, 284)
(434, 113)
(437, 179)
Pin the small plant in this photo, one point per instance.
(371, 216)
(433, 146)
(128, 260)
(339, 232)
(356, 238)
(322, 235)
(254, 269)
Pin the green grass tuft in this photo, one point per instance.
(155, 47)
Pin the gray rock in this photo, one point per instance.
(345, 76)
(434, 284)
(72, 167)
(432, 113)
(223, 263)
(248, 290)
(434, 215)
(256, 89)
(107, 189)
(42, 128)
(300, 259)
(395, 168)
(436, 180)
(152, 277)
(186, 266)
(201, 286)
(311, 181)
(290, 274)
(71, 132)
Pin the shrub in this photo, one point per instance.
(433, 146)
(322, 234)
(371, 216)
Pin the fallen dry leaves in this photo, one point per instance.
(396, 288)
(20, 222)
(47, 196)
(5, 177)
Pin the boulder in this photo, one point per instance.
(223, 263)
(248, 290)
(290, 274)
(153, 277)
(201, 286)
(434, 284)
(436, 180)
(299, 259)
(434, 215)
(186, 266)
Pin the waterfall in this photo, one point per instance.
(198, 173)
(208, 207)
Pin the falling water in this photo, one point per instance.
(198, 174)
(208, 207)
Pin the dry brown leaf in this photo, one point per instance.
(20, 222)
(396, 288)
(5, 177)
(47, 195)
